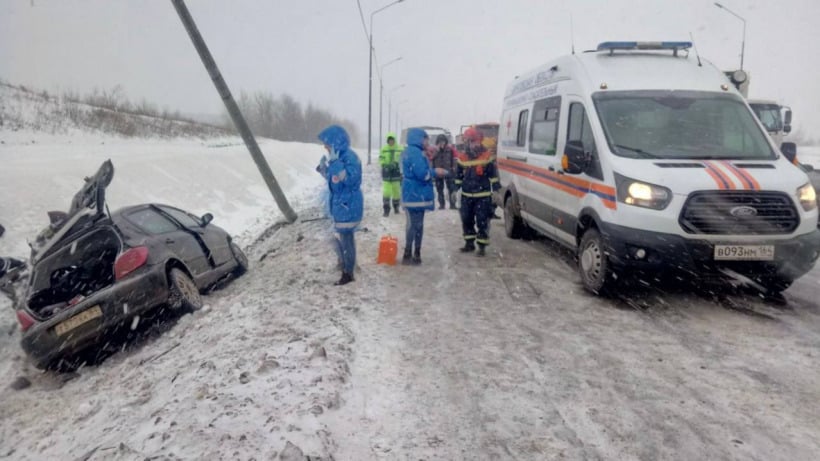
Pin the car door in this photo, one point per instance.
(164, 231)
(544, 183)
(214, 239)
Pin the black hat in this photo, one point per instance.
(441, 138)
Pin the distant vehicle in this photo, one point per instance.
(432, 133)
(98, 270)
(643, 161)
(490, 132)
(776, 118)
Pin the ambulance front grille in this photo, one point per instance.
(739, 213)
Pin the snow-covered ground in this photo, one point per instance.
(462, 358)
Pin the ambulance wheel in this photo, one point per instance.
(514, 226)
(593, 264)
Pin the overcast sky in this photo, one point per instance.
(458, 55)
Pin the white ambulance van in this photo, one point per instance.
(644, 159)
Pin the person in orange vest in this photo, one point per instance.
(477, 176)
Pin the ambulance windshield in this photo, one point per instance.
(680, 125)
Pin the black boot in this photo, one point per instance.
(346, 278)
(441, 205)
(417, 258)
(386, 203)
(406, 259)
(481, 252)
(468, 247)
(396, 206)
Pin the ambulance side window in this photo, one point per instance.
(523, 118)
(579, 130)
(544, 126)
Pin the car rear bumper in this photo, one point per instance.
(142, 290)
(668, 252)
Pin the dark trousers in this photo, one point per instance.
(475, 218)
(346, 250)
(451, 187)
(415, 230)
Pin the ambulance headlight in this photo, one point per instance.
(639, 193)
(808, 197)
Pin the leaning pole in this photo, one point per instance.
(233, 110)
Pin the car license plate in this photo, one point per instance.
(744, 252)
(79, 319)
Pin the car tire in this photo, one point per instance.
(514, 226)
(596, 272)
(184, 292)
(241, 259)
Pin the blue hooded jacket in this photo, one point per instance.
(417, 184)
(346, 200)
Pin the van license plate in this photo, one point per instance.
(79, 319)
(744, 252)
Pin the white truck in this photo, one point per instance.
(775, 117)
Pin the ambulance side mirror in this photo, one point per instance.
(789, 150)
(575, 159)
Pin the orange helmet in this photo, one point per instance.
(471, 134)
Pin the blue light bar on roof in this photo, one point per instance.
(610, 46)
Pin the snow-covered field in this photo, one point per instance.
(462, 358)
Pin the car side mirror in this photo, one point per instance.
(575, 160)
(787, 128)
(789, 150)
(787, 117)
(206, 219)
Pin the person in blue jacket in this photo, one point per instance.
(343, 173)
(416, 191)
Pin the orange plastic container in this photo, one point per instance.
(388, 249)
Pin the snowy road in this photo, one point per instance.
(507, 358)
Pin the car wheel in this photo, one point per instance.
(184, 292)
(514, 226)
(241, 260)
(593, 264)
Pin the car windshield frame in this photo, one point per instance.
(691, 128)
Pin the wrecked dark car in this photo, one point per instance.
(93, 270)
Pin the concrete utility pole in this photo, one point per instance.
(233, 110)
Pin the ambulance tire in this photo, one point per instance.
(514, 226)
(593, 264)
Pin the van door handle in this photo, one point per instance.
(169, 240)
(552, 168)
(517, 159)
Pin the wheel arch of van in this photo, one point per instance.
(587, 219)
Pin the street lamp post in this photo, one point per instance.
(743, 43)
(370, 80)
(390, 103)
(381, 91)
(397, 113)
